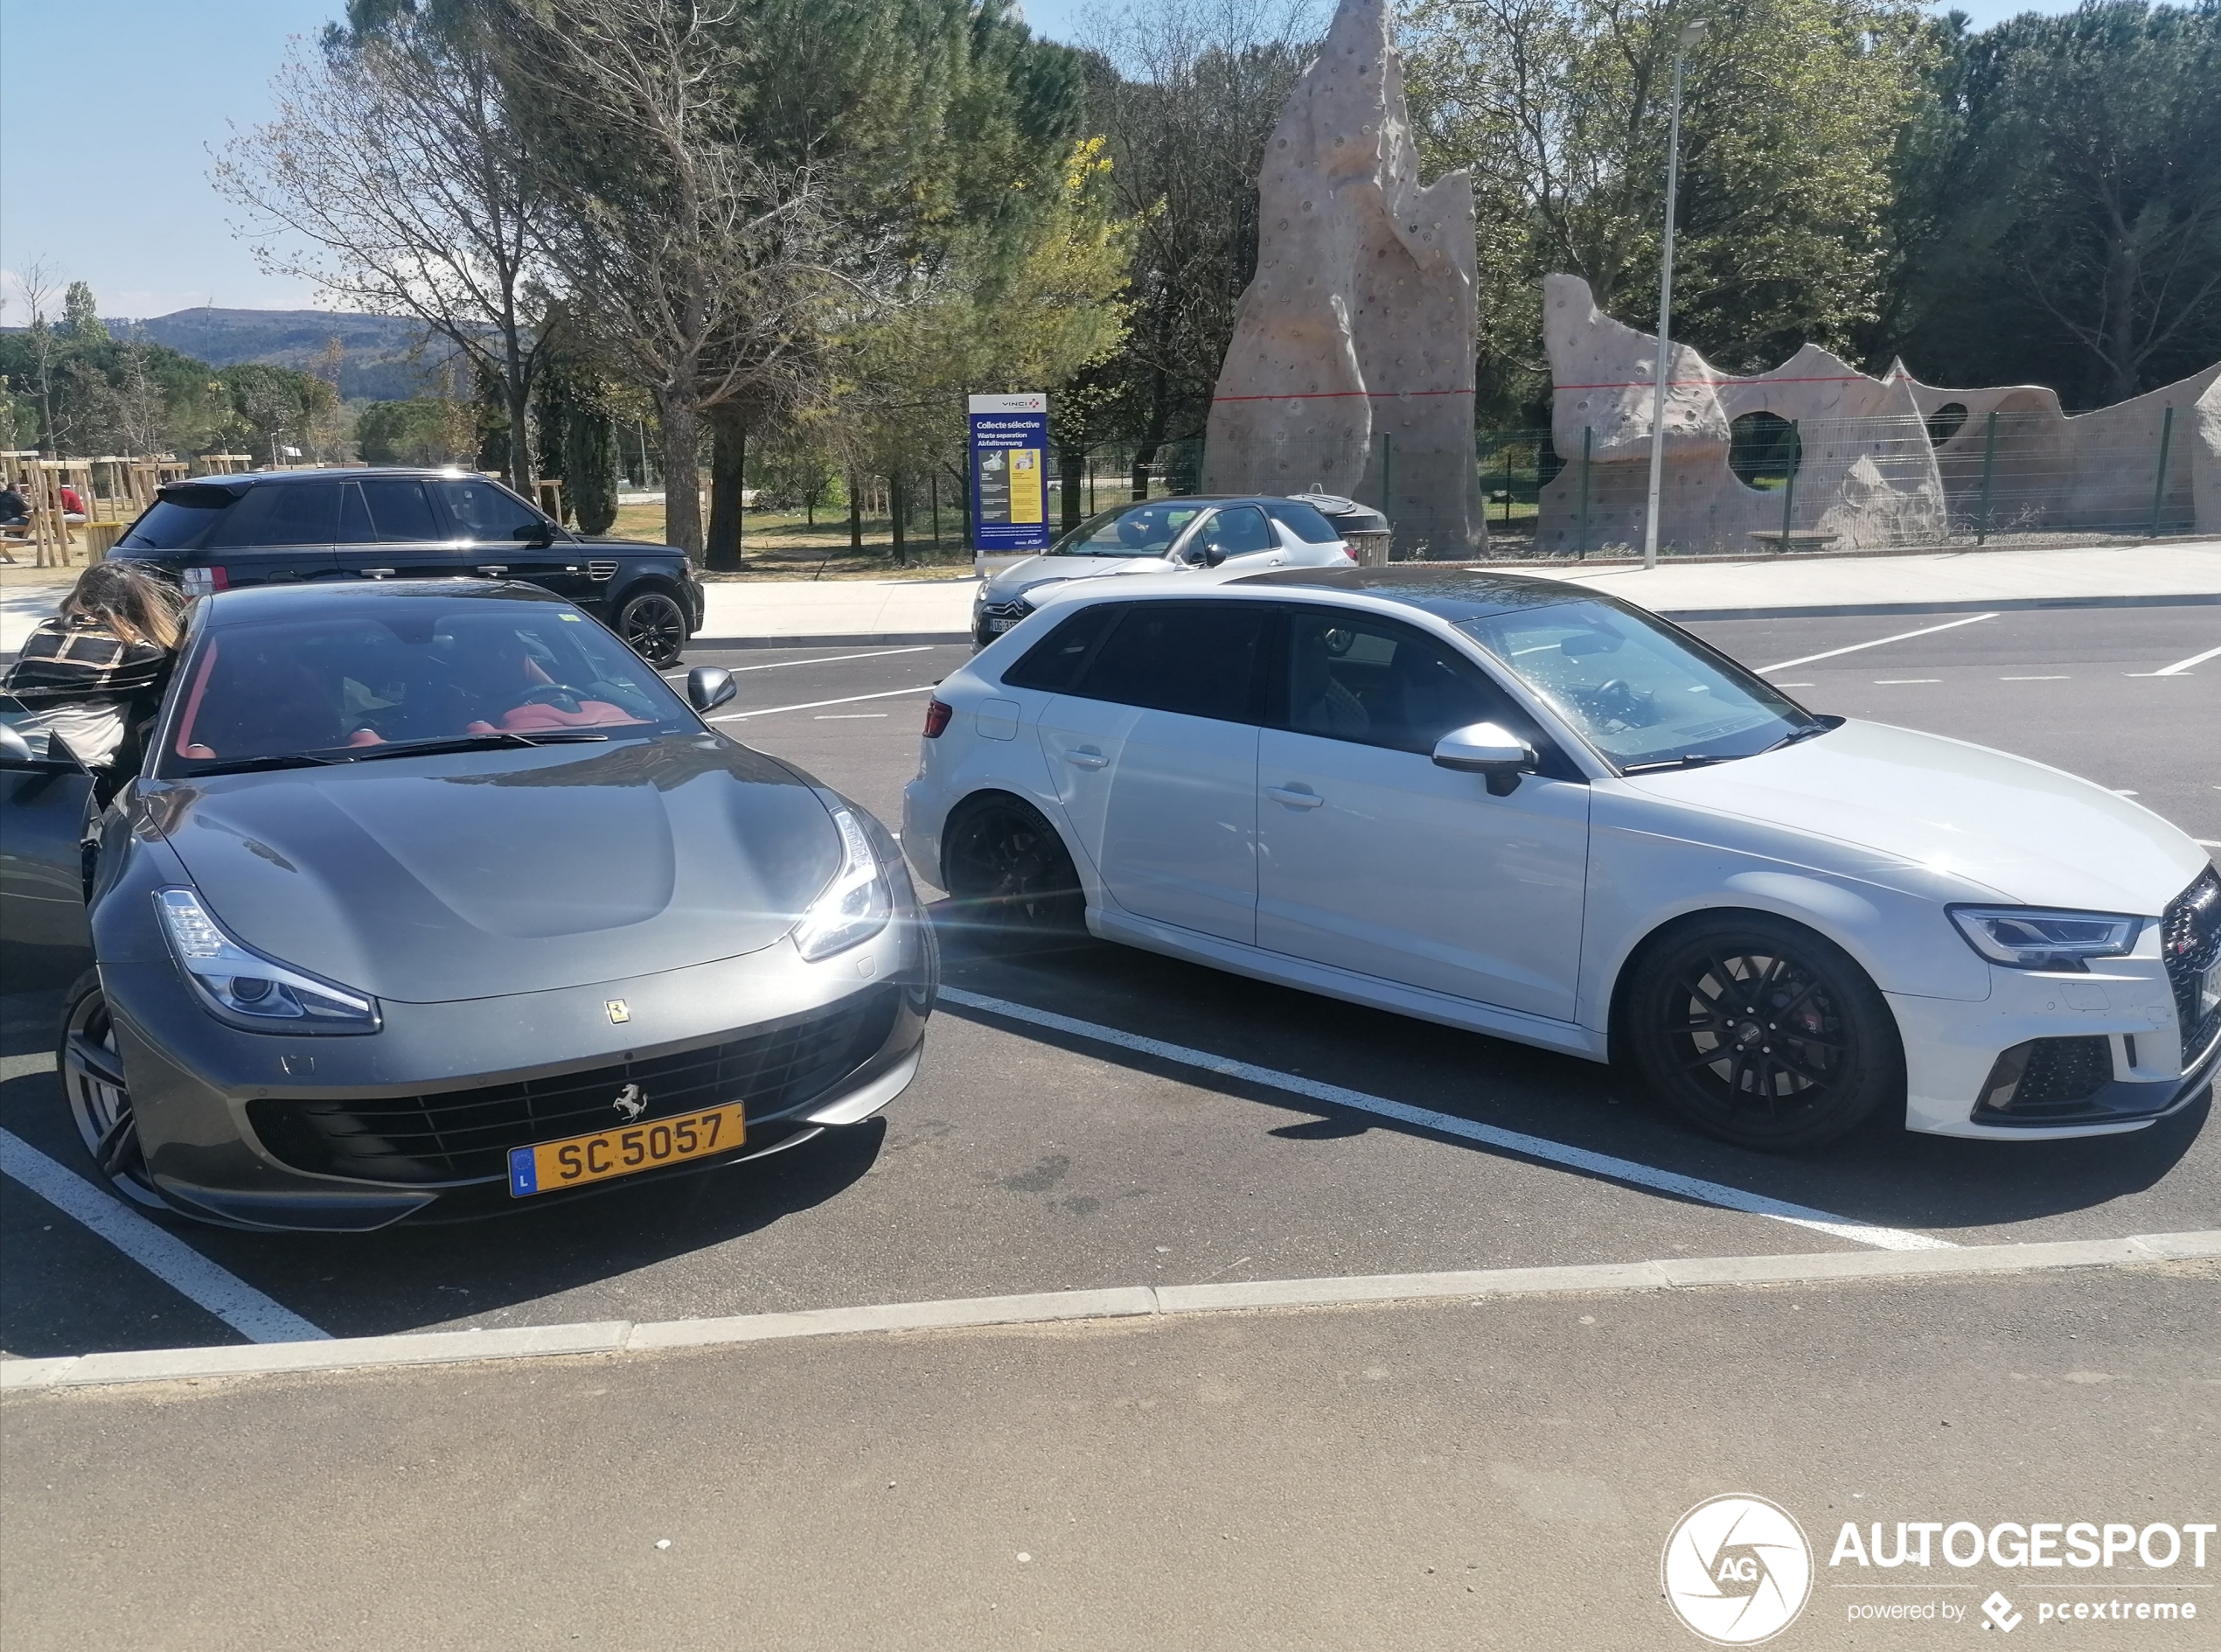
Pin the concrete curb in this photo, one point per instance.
(620, 1336)
(864, 639)
(2001, 605)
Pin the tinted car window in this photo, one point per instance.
(1238, 531)
(400, 508)
(1195, 658)
(1374, 682)
(482, 511)
(180, 518)
(1053, 664)
(281, 513)
(347, 684)
(1304, 521)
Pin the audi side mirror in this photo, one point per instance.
(1487, 749)
(14, 748)
(710, 687)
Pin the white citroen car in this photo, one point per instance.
(1519, 807)
(1210, 538)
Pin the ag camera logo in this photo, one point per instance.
(1736, 1570)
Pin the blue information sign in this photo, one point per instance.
(1010, 473)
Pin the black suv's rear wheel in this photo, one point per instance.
(654, 626)
(1761, 1032)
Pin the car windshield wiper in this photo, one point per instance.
(471, 742)
(1694, 760)
(1793, 736)
(275, 760)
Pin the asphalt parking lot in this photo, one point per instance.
(1033, 1157)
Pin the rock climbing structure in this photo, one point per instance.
(1351, 366)
(1878, 462)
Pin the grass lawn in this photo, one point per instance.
(781, 545)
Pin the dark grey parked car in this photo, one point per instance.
(218, 532)
(432, 899)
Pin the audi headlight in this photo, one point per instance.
(2029, 937)
(239, 985)
(855, 905)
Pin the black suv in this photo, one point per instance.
(217, 531)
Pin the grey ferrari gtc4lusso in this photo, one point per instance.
(434, 899)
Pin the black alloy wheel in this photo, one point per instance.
(1007, 868)
(654, 627)
(99, 1104)
(1762, 1033)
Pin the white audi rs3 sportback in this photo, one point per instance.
(1524, 808)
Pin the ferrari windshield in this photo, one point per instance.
(371, 678)
(1132, 530)
(1645, 695)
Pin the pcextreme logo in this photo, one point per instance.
(1736, 1570)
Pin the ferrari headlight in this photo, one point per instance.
(855, 905)
(249, 991)
(2029, 937)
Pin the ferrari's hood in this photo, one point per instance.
(1039, 570)
(429, 878)
(2030, 833)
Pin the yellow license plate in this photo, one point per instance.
(548, 1166)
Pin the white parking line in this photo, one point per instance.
(812, 705)
(2181, 666)
(849, 717)
(1899, 682)
(1643, 1175)
(162, 1254)
(2034, 680)
(1925, 630)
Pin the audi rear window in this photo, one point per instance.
(1053, 664)
(1304, 521)
(179, 518)
(1196, 658)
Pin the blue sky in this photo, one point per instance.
(109, 110)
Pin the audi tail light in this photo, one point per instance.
(937, 718)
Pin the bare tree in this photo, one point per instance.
(141, 412)
(689, 262)
(390, 179)
(36, 284)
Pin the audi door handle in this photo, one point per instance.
(1294, 797)
(1086, 757)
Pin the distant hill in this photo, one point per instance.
(380, 361)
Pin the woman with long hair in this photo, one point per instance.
(96, 670)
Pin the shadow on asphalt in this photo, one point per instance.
(1880, 1173)
(402, 1279)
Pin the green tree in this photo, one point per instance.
(1560, 108)
(81, 323)
(2063, 212)
(1186, 94)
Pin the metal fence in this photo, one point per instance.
(2024, 476)
(2010, 474)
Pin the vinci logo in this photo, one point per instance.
(1737, 1570)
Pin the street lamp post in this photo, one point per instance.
(1690, 36)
